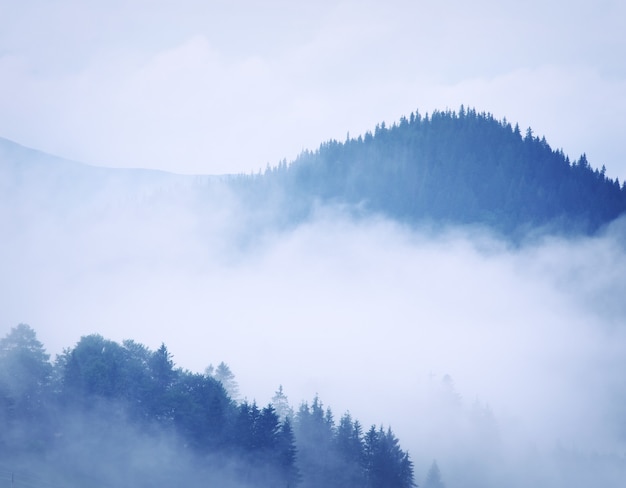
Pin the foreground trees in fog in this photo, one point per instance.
(110, 399)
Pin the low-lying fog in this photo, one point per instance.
(491, 358)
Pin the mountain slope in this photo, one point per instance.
(446, 168)
(465, 168)
(31, 178)
(102, 403)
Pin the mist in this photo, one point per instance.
(103, 447)
(503, 362)
(80, 82)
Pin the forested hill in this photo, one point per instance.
(108, 414)
(450, 167)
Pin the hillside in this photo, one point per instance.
(34, 180)
(103, 404)
(443, 168)
(463, 168)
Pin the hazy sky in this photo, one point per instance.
(229, 86)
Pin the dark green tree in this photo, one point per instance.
(287, 454)
(349, 448)
(387, 466)
(96, 368)
(315, 435)
(200, 410)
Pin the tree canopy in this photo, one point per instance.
(447, 167)
(120, 402)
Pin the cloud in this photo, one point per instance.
(371, 315)
(205, 89)
(328, 304)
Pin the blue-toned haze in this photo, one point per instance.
(229, 86)
(370, 314)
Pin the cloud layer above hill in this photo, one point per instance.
(225, 87)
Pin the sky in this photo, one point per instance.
(213, 87)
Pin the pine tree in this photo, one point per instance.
(281, 404)
(224, 375)
(25, 379)
(286, 453)
(433, 478)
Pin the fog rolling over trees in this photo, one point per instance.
(454, 168)
(106, 414)
(450, 280)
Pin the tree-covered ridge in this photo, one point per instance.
(104, 404)
(450, 167)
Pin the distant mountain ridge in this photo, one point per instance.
(23, 158)
(445, 168)
(456, 168)
(35, 178)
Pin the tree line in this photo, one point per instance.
(448, 167)
(102, 407)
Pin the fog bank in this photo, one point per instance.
(481, 354)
